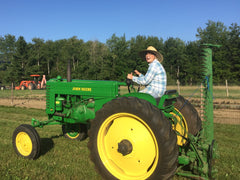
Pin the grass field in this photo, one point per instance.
(60, 158)
(66, 159)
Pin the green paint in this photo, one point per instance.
(208, 93)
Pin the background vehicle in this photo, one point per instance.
(34, 84)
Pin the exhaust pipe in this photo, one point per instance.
(69, 79)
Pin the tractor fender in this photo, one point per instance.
(144, 96)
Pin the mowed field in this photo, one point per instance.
(61, 158)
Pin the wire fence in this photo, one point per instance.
(226, 101)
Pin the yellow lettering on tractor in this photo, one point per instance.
(81, 89)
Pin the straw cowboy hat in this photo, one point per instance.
(152, 50)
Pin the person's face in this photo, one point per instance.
(150, 57)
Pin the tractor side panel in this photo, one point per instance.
(80, 90)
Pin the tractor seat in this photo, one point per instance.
(169, 92)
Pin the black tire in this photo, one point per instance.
(75, 131)
(31, 86)
(126, 127)
(26, 141)
(190, 114)
(23, 87)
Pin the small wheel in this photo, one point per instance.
(211, 160)
(132, 139)
(26, 141)
(75, 131)
(192, 120)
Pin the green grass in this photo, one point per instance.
(228, 164)
(62, 158)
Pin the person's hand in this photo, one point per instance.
(137, 72)
(130, 76)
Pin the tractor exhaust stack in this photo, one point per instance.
(69, 79)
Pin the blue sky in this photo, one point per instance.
(100, 19)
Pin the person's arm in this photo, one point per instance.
(145, 80)
(137, 72)
(130, 76)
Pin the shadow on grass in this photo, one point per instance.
(47, 144)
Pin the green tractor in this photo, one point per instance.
(131, 136)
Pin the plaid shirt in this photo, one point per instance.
(155, 79)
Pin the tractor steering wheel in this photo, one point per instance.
(130, 85)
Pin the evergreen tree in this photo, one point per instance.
(7, 51)
(118, 57)
(175, 59)
(36, 56)
(233, 46)
(16, 71)
(119, 52)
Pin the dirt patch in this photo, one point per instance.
(28, 103)
(224, 116)
(218, 103)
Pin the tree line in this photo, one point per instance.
(117, 57)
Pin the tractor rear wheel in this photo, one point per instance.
(26, 141)
(190, 114)
(75, 131)
(132, 139)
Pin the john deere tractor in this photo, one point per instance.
(132, 136)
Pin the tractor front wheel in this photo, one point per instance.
(131, 139)
(26, 141)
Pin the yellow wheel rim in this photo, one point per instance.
(73, 135)
(24, 143)
(137, 163)
(180, 126)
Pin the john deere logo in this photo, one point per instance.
(81, 89)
